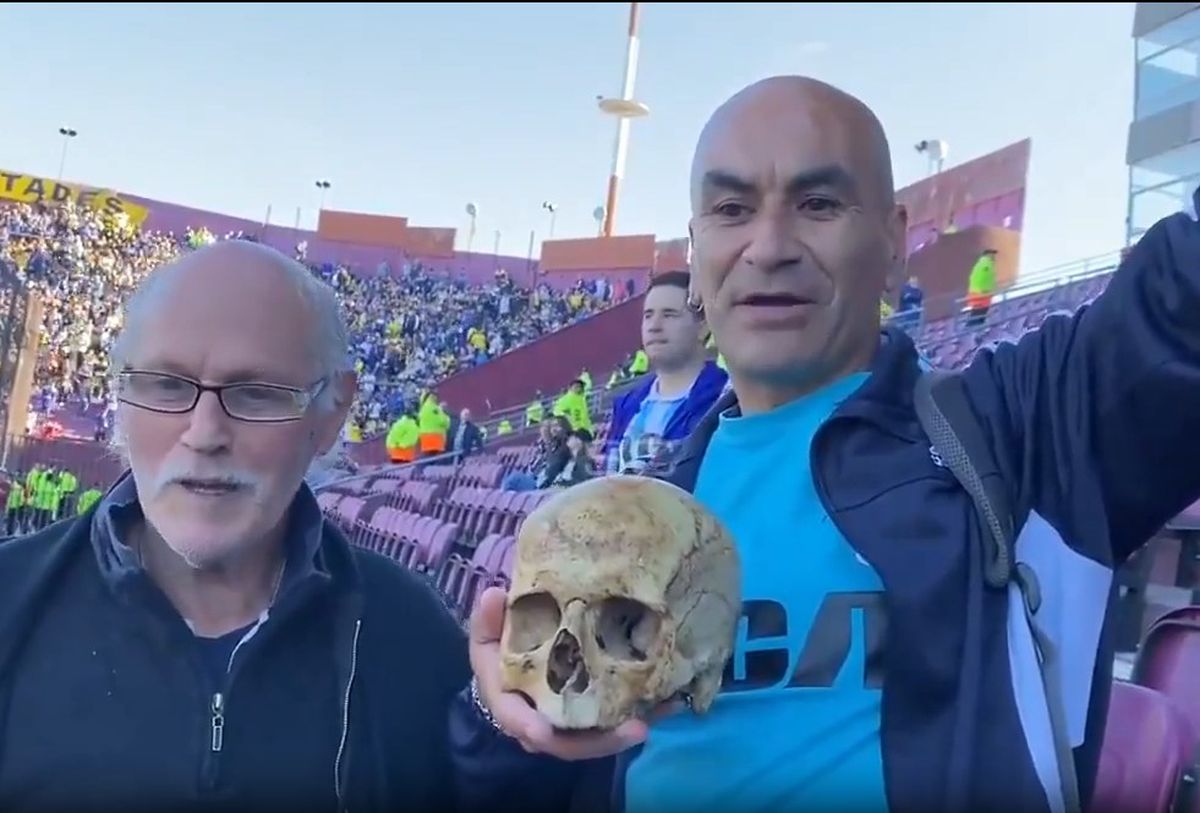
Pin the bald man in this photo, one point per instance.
(202, 639)
(885, 660)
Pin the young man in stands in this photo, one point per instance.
(202, 639)
(886, 660)
(650, 420)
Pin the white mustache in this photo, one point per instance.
(172, 474)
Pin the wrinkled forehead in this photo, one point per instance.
(221, 333)
(768, 149)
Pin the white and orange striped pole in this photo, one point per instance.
(624, 108)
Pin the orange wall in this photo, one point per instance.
(426, 242)
(363, 229)
(592, 253)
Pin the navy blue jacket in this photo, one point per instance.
(700, 399)
(1094, 421)
(337, 702)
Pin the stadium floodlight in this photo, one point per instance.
(472, 212)
(67, 133)
(552, 208)
(598, 216)
(324, 186)
(936, 150)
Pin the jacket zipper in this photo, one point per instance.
(216, 710)
(341, 752)
(216, 739)
(218, 723)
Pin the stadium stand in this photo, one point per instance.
(410, 328)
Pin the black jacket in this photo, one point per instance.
(472, 440)
(1095, 435)
(337, 702)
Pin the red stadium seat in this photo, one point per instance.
(1169, 661)
(1146, 748)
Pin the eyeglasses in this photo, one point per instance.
(250, 401)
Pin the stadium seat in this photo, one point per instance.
(1168, 661)
(1146, 748)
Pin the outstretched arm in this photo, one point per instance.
(1113, 390)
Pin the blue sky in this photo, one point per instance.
(416, 110)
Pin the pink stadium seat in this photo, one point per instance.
(437, 550)
(347, 510)
(1146, 745)
(384, 485)
(464, 574)
(477, 520)
(506, 565)
(1169, 661)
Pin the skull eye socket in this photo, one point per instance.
(626, 629)
(535, 619)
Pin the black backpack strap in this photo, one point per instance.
(957, 439)
(946, 415)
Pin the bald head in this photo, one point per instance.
(231, 289)
(795, 235)
(806, 110)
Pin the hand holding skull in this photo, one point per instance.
(625, 596)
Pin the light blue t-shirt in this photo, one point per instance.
(796, 727)
(643, 437)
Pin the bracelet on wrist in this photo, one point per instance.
(481, 708)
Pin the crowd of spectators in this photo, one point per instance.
(415, 328)
(410, 327)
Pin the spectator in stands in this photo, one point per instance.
(573, 405)
(984, 686)
(649, 420)
(578, 466)
(556, 454)
(912, 299)
(205, 605)
(534, 411)
(408, 331)
(465, 437)
(980, 287)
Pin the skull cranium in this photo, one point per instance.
(625, 593)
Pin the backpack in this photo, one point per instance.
(958, 441)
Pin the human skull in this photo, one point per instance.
(625, 593)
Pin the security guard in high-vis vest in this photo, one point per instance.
(641, 363)
(535, 411)
(14, 508)
(67, 486)
(87, 499)
(402, 439)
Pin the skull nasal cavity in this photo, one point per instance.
(566, 670)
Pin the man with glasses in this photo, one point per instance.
(201, 638)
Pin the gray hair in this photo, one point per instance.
(330, 338)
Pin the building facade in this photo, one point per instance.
(1163, 149)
